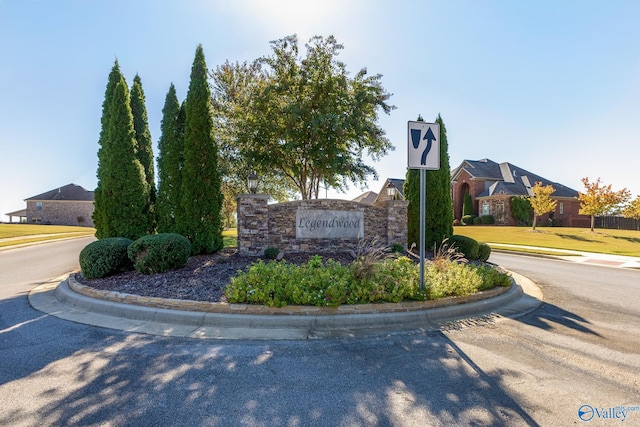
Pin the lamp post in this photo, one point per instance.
(252, 182)
(391, 191)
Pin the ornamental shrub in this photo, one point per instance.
(157, 253)
(468, 219)
(468, 246)
(105, 257)
(331, 284)
(477, 220)
(487, 219)
(484, 252)
(271, 253)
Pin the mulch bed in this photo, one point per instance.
(203, 278)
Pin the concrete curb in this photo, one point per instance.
(58, 299)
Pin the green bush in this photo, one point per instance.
(157, 253)
(484, 252)
(271, 253)
(477, 221)
(105, 257)
(390, 280)
(468, 219)
(468, 246)
(397, 248)
(487, 219)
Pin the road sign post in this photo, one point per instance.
(424, 154)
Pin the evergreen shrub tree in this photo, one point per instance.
(200, 219)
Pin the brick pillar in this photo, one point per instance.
(253, 224)
(397, 222)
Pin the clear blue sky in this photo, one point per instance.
(550, 86)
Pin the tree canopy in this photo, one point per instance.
(302, 119)
(599, 199)
(541, 201)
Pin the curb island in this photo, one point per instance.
(67, 299)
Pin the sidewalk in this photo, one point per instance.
(618, 261)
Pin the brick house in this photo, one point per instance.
(491, 186)
(68, 205)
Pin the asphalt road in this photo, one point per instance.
(582, 347)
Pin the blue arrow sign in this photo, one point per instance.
(430, 137)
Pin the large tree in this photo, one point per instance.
(632, 210)
(438, 222)
(170, 161)
(306, 119)
(599, 199)
(200, 217)
(144, 144)
(99, 219)
(123, 193)
(541, 201)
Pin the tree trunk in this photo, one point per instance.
(535, 219)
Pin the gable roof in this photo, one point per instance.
(367, 197)
(68, 192)
(508, 179)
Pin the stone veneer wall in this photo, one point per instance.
(261, 226)
(61, 212)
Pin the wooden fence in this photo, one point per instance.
(617, 222)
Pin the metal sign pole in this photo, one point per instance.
(423, 191)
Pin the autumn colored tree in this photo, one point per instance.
(632, 210)
(541, 201)
(598, 199)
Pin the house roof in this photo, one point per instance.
(367, 197)
(508, 179)
(71, 192)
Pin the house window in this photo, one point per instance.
(39, 206)
(485, 208)
(561, 208)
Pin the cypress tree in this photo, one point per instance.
(124, 190)
(100, 199)
(170, 161)
(438, 205)
(144, 145)
(200, 220)
(439, 208)
(467, 204)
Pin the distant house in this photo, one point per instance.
(68, 205)
(492, 185)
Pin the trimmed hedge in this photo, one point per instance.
(105, 257)
(468, 219)
(466, 245)
(484, 251)
(487, 219)
(157, 253)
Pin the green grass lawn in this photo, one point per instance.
(618, 242)
(29, 233)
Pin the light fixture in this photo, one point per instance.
(391, 191)
(252, 182)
